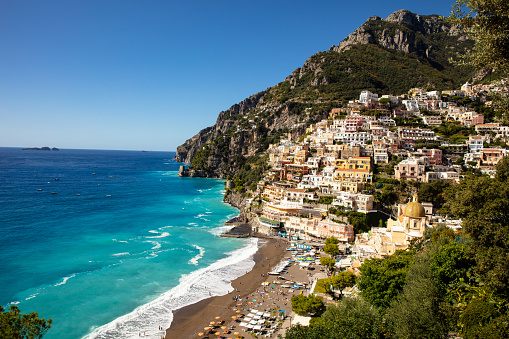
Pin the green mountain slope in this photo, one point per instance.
(385, 56)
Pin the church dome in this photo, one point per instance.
(414, 209)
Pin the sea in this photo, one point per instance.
(108, 243)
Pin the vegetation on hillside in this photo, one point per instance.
(369, 67)
(446, 281)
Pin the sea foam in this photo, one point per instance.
(213, 280)
(194, 260)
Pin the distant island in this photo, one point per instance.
(40, 149)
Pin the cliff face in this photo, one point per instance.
(224, 122)
(386, 56)
(400, 31)
(243, 131)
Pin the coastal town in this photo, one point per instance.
(336, 181)
(293, 170)
(343, 166)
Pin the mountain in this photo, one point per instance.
(385, 56)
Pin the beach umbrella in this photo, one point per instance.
(234, 317)
(200, 334)
(218, 333)
(206, 328)
(223, 327)
(236, 333)
(238, 311)
(218, 317)
(212, 323)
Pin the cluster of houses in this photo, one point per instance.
(331, 165)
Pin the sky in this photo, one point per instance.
(147, 75)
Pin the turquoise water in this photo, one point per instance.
(122, 243)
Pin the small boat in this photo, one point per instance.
(53, 192)
(109, 195)
(78, 195)
(39, 189)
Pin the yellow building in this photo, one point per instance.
(353, 170)
(409, 225)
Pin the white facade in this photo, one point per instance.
(411, 105)
(367, 95)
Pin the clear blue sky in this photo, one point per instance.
(123, 74)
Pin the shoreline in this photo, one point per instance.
(191, 319)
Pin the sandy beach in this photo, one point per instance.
(248, 294)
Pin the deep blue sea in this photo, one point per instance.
(108, 243)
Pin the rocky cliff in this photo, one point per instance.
(387, 56)
(400, 31)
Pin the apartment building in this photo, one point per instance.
(410, 169)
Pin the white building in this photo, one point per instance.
(366, 96)
(354, 201)
(411, 105)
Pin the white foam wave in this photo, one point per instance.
(65, 280)
(201, 284)
(120, 254)
(200, 216)
(220, 230)
(194, 260)
(156, 245)
(32, 296)
(162, 235)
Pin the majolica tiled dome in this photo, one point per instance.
(414, 209)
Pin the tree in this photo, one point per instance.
(417, 311)
(328, 263)
(433, 192)
(487, 23)
(343, 280)
(382, 279)
(482, 203)
(352, 318)
(306, 305)
(331, 246)
(481, 319)
(15, 325)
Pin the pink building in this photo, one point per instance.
(342, 232)
(434, 156)
(410, 169)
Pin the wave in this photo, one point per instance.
(220, 230)
(120, 254)
(162, 235)
(213, 280)
(155, 243)
(32, 296)
(194, 260)
(65, 280)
